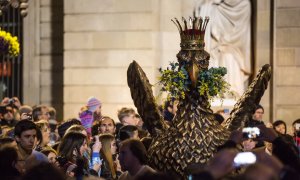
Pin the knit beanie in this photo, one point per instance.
(93, 104)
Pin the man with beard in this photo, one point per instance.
(107, 125)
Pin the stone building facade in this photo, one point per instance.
(75, 49)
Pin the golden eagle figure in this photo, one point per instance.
(194, 135)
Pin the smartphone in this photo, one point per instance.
(226, 111)
(243, 159)
(251, 132)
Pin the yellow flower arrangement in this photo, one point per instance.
(9, 44)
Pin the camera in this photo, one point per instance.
(11, 101)
(243, 159)
(251, 132)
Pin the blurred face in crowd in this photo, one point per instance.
(296, 128)
(83, 148)
(248, 144)
(27, 140)
(280, 128)
(98, 111)
(126, 157)
(44, 114)
(46, 135)
(9, 115)
(258, 115)
(113, 147)
(52, 157)
(129, 120)
(107, 126)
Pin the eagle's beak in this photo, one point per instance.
(193, 71)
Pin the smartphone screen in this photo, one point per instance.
(251, 132)
(226, 111)
(244, 158)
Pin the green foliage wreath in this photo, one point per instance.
(176, 82)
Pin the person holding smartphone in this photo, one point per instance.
(73, 155)
(256, 120)
(110, 168)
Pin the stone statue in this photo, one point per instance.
(228, 41)
(194, 135)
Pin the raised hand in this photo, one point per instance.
(97, 146)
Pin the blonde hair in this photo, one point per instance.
(105, 151)
(124, 112)
(75, 128)
(41, 124)
(46, 151)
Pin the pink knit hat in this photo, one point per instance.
(93, 104)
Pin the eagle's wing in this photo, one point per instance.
(243, 109)
(143, 99)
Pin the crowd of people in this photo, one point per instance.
(34, 144)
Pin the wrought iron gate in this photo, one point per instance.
(11, 74)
